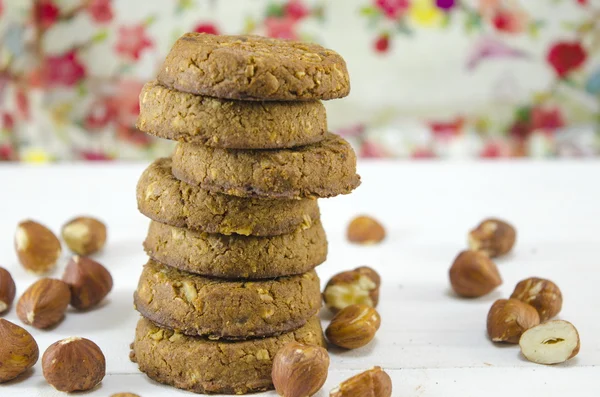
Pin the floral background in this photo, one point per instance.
(430, 78)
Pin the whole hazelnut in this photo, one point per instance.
(299, 370)
(354, 326)
(37, 247)
(88, 280)
(372, 383)
(365, 230)
(7, 290)
(84, 235)
(552, 342)
(360, 285)
(493, 236)
(73, 364)
(543, 295)
(44, 303)
(509, 318)
(473, 274)
(18, 350)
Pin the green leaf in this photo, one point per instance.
(149, 20)
(369, 11)
(447, 19)
(81, 89)
(100, 36)
(275, 10)
(473, 22)
(523, 113)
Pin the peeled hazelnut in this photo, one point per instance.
(44, 303)
(18, 351)
(37, 247)
(543, 295)
(354, 326)
(88, 280)
(360, 285)
(73, 364)
(299, 370)
(372, 383)
(552, 342)
(84, 235)
(493, 236)
(473, 274)
(509, 318)
(365, 230)
(7, 290)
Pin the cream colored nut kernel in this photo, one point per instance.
(84, 235)
(360, 285)
(473, 274)
(299, 370)
(365, 230)
(38, 249)
(372, 383)
(509, 318)
(542, 294)
(353, 326)
(7, 290)
(44, 303)
(18, 351)
(552, 342)
(493, 236)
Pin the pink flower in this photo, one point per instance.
(101, 113)
(447, 129)
(506, 16)
(8, 122)
(1, 8)
(508, 22)
(45, 13)
(546, 118)
(22, 101)
(132, 41)
(565, 57)
(62, 70)
(281, 28)
(100, 11)
(296, 10)
(133, 135)
(126, 101)
(495, 149)
(393, 8)
(91, 155)
(422, 153)
(206, 28)
(370, 149)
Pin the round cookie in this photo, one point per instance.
(254, 68)
(205, 366)
(216, 308)
(223, 123)
(325, 169)
(163, 198)
(236, 257)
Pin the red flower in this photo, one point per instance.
(133, 135)
(546, 119)
(22, 101)
(132, 41)
(100, 11)
(372, 150)
(508, 22)
(393, 8)
(91, 155)
(206, 28)
(45, 13)
(382, 44)
(8, 122)
(102, 112)
(126, 101)
(295, 10)
(281, 28)
(583, 2)
(62, 70)
(6, 152)
(442, 129)
(566, 56)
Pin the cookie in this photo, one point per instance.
(235, 257)
(254, 68)
(217, 308)
(163, 198)
(223, 123)
(205, 366)
(325, 169)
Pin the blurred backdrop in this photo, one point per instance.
(430, 78)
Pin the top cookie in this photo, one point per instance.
(254, 68)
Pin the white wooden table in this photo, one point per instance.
(430, 342)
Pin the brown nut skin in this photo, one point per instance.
(73, 364)
(88, 280)
(353, 326)
(84, 235)
(7, 290)
(38, 249)
(299, 370)
(473, 274)
(44, 303)
(18, 350)
(372, 383)
(365, 230)
(542, 294)
(509, 318)
(493, 236)
(360, 285)
(124, 395)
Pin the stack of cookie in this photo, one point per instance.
(235, 232)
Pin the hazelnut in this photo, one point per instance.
(299, 370)
(88, 280)
(372, 383)
(509, 318)
(124, 395)
(73, 364)
(360, 285)
(473, 274)
(37, 247)
(365, 230)
(7, 290)
(354, 326)
(493, 236)
(84, 235)
(44, 303)
(18, 350)
(543, 295)
(552, 342)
